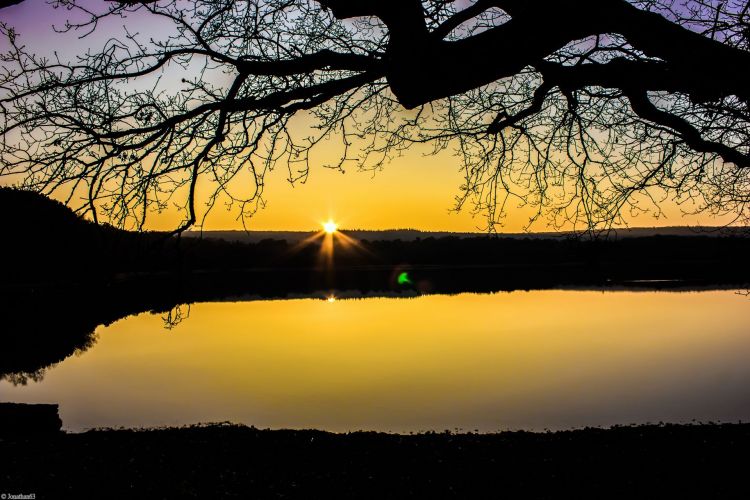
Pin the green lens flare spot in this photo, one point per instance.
(403, 279)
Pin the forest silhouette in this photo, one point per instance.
(48, 243)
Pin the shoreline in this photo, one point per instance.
(456, 431)
(229, 461)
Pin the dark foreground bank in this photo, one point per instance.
(219, 461)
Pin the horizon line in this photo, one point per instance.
(553, 231)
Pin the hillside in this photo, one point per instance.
(46, 241)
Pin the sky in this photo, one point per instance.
(414, 190)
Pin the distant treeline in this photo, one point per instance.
(639, 258)
(45, 241)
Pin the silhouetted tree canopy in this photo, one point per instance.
(586, 110)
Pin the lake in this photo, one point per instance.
(552, 359)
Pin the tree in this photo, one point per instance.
(582, 109)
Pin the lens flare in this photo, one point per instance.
(404, 279)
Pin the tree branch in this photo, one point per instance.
(643, 106)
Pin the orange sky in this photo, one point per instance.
(415, 190)
(412, 191)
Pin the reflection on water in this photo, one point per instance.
(531, 360)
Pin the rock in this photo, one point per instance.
(18, 419)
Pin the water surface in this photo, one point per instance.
(519, 360)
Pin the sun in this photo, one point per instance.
(330, 227)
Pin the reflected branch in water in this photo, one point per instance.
(176, 315)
